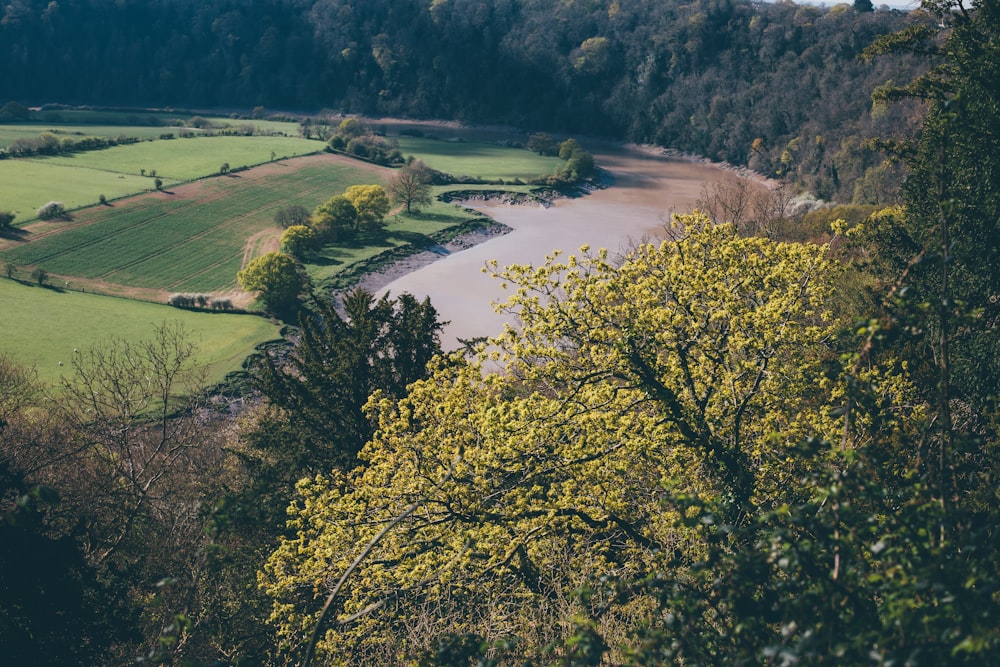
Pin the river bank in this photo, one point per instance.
(644, 187)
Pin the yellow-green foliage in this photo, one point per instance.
(681, 371)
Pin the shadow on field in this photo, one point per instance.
(324, 260)
(14, 234)
(413, 238)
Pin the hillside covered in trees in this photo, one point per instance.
(776, 86)
(717, 449)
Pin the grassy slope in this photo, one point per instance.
(77, 180)
(43, 327)
(484, 161)
(183, 243)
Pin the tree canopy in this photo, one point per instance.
(371, 203)
(621, 382)
(276, 276)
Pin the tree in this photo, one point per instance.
(377, 345)
(863, 6)
(120, 402)
(298, 240)
(52, 209)
(276, 276)
(567, 148)
(40, 276)
(287, 216)
(952, 197)
(81, 623)
(224, 169)
(6, 220)
(485, 498)
(371, 203)
(543, 144)
(410, 185)
(14, 111)
(334, 218)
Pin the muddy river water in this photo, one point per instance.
(645, 189)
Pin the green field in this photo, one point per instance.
(79, 179)
(400, 230)
(9, 133)
(186, 159)
(192, 237)
(26, 185)
(182, 244)
(143, 125)
(42, 327)
(479, 160)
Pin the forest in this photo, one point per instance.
(776, 86)
(723, 448)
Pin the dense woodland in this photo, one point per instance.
(723, 449)
(777, 86)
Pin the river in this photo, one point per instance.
(645, 188)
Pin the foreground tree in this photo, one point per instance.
(375, 346)
(485, 498)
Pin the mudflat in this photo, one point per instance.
(645, 187)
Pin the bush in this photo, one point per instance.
(52, 209)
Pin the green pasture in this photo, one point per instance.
(400, 229)
(479, 160)
(181, 244)
(25, 185)
(79, 179)
(186, 159)
(9, 133)
(42, 327)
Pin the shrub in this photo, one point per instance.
(51, 210)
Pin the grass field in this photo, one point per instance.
(26, 185)
(192, 241)
(478, 160)
(144, 125)
(400, 230)
(42, 327)
(79, 179)
(9, 133)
